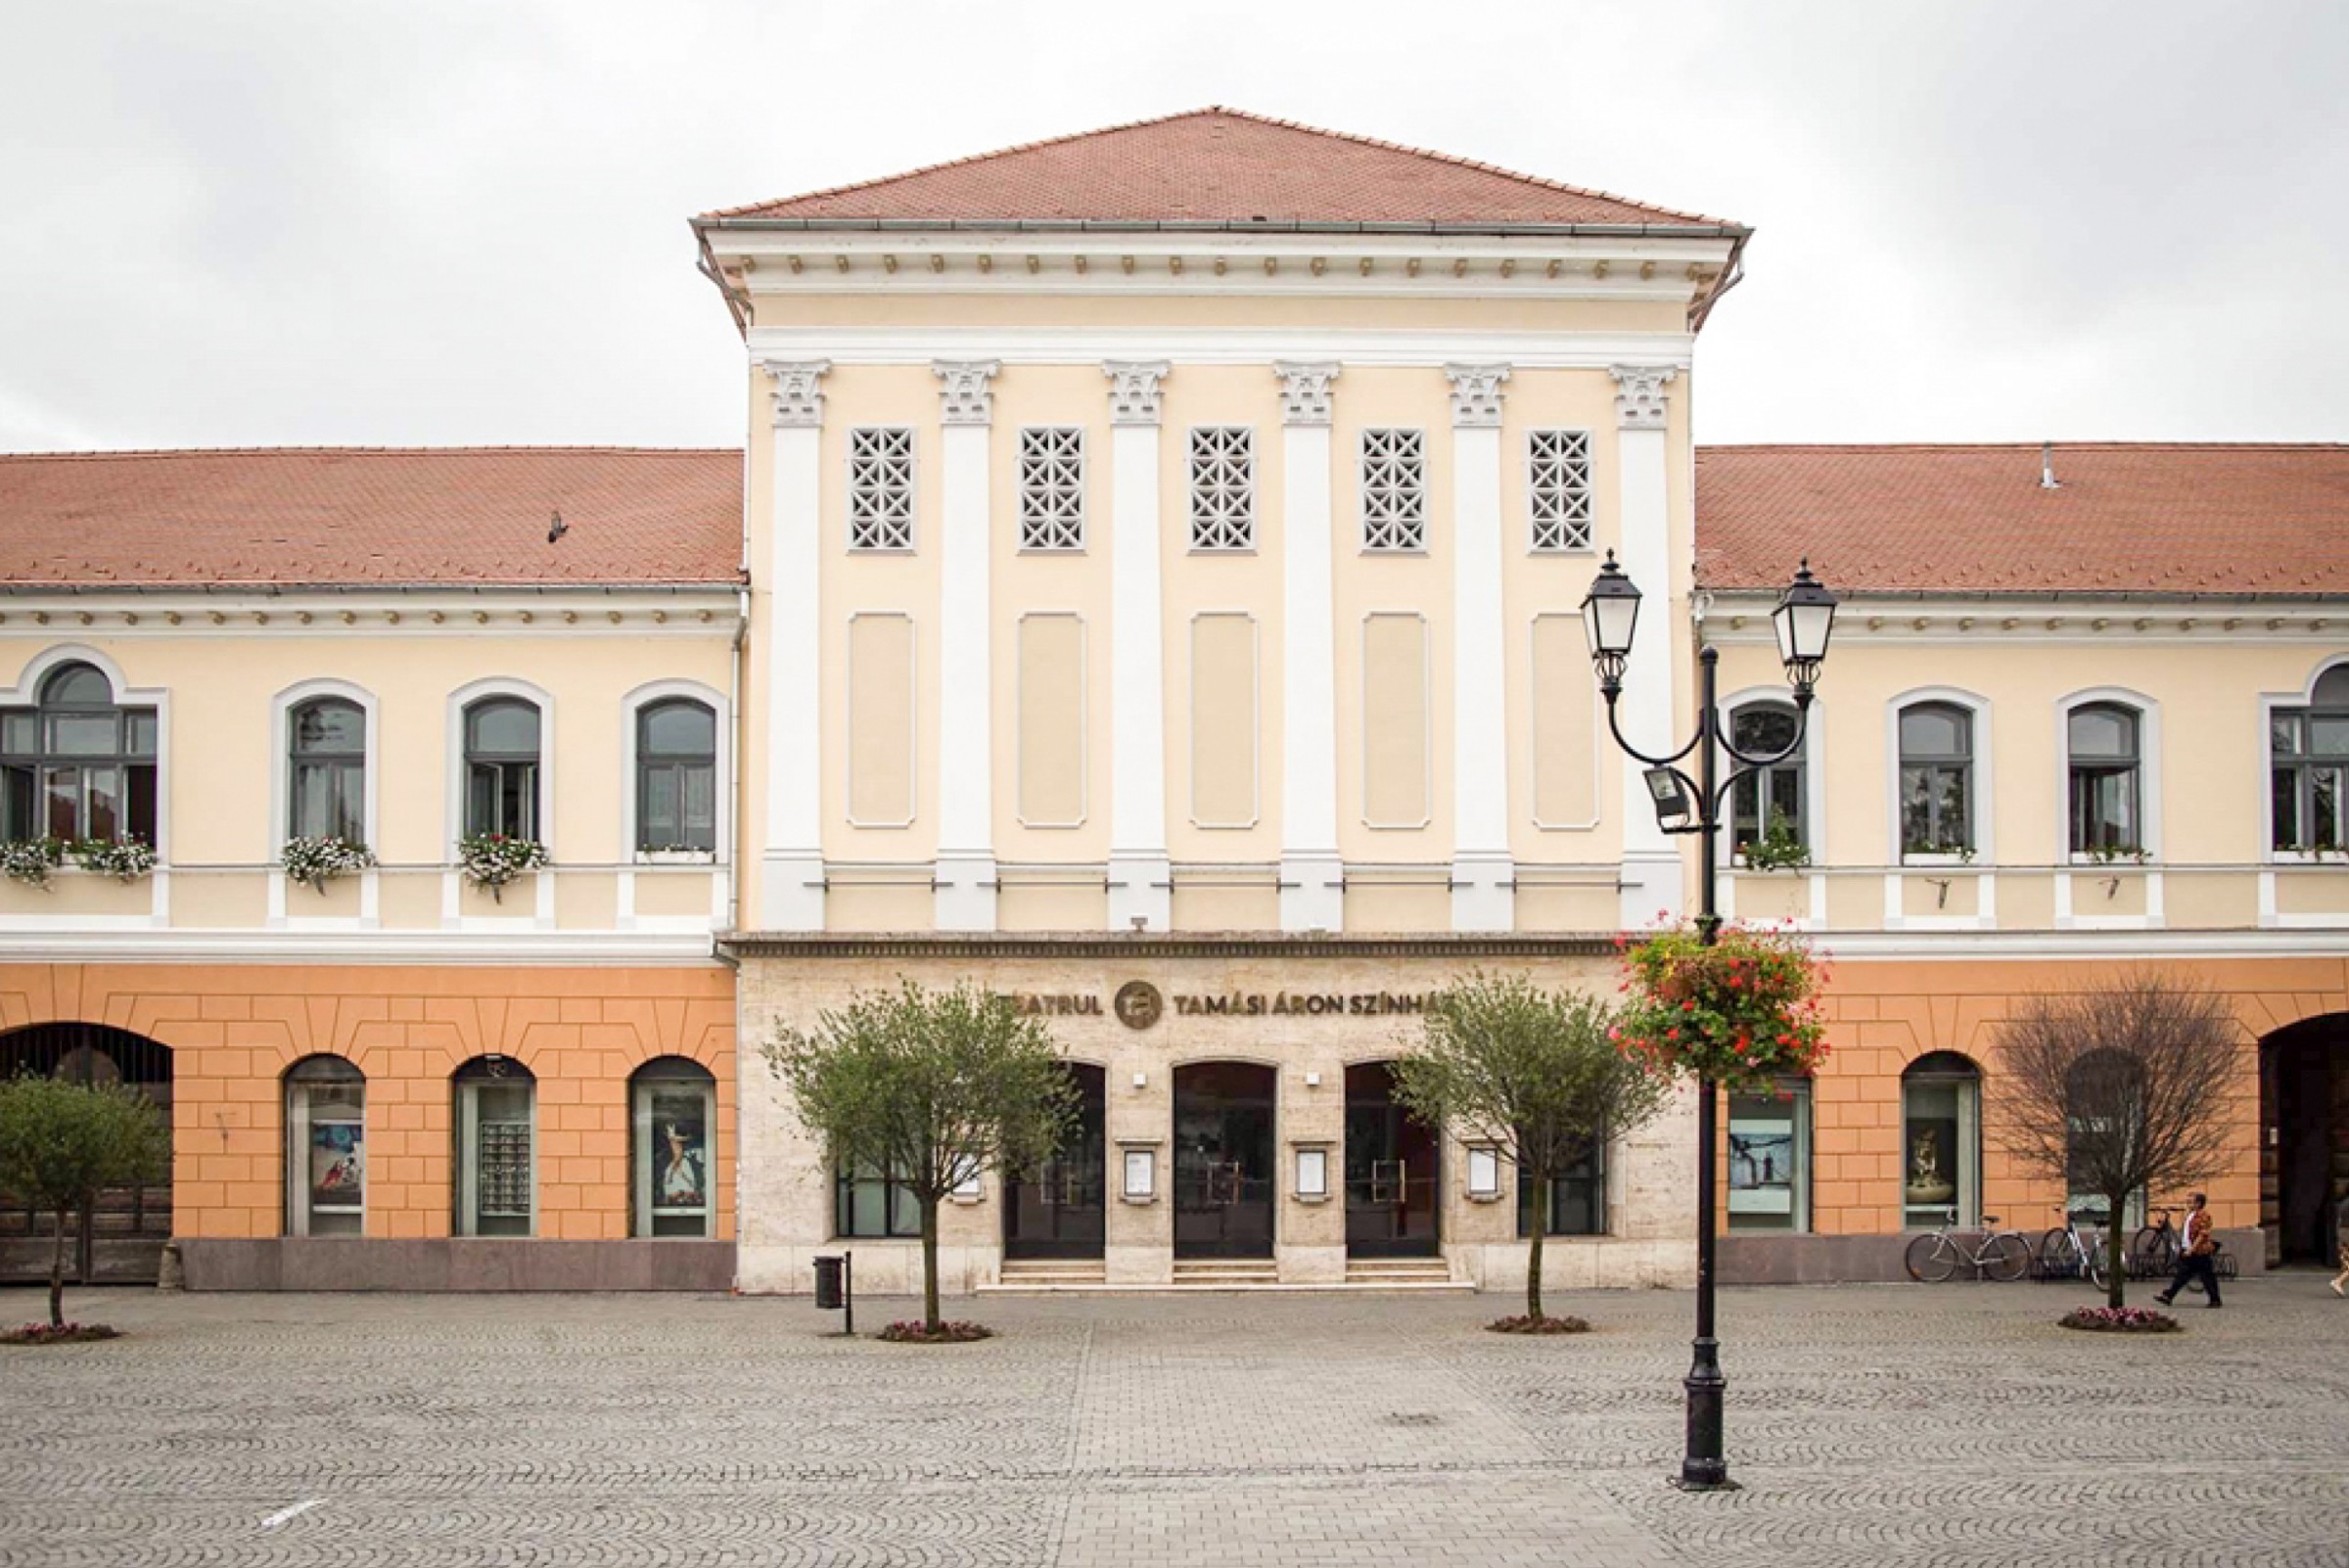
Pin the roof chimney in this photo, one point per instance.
(2047, 465)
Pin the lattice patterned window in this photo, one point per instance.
(1394, 489)
(1559, 488)
(1224, 488)
(880, 489)
(1052, 490)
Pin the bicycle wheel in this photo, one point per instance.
(1931, 1259)
(2005, 1257)
(2099, 1267)
(2154, 1252)
(2058, 1258)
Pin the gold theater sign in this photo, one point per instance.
(1138, 1004)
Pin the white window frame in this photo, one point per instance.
(1402, 501)
(27, 693)
(1588, 491)
(1981, 786)
(2148, 768)
(453, 802)
(912, 484)
(1191, 492)
(1029, 491)
(2268, 702)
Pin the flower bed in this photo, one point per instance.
(1740, 1012)
(64, 1334)
(1522, 1324)
(2119, 1321)
(911, 1332)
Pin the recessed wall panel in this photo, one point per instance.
(881, 719)
(1224, 721)
(1052, 738)
(1565, 698)
(1396, 783)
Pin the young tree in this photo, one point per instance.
(61, 1143)
(931, 1086)
(2118, 1089)
(1532, 1073)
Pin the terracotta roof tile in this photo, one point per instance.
(349, 516)
(1215, 165)
(2144, 517)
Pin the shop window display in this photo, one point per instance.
(497, 1148)
(326, 1148)
(673, 1101)
(1941, 1142)
(1770, 1159)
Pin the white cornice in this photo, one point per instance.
(1741, 617)
(33, 611)
(504, 948)
(1224, 345)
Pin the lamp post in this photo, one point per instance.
(1804, 620)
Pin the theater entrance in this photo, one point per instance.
(1392, 1171)
(1059, 1209)
(1223, 1162)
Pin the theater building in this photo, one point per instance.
(393, 1077)
(1150, 590)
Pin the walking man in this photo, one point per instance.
(2198, 1257)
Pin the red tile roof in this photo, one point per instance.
(2124, 517)
(370, 516)
(1215, 167)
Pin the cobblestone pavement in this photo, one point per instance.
(1872, 1426)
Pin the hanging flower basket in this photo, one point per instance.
(1740, 1013)
(492, 860)
(30, 860)
(124, 859)
(316, 862)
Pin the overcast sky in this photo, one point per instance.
(452, 222)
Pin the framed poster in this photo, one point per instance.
(681, 1153)
(1761, 1165)
(338, 1165)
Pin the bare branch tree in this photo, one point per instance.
(2117, 1091)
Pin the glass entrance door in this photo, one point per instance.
(1393, 1188)
(1223, 1160)
(1058, 1211)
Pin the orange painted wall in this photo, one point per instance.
(1884, 1014)
(234, 1029)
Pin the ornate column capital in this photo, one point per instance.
(797, 396)
(1476, 394)
(964, 399)
(1639, 395)
(1305, 390)
(1133, 389)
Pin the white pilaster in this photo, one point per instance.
(1313, 878)
(1651, 863)
(1141, 877)
(791, 859)
(966, 812)
(1483, 875)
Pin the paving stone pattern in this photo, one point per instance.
(1950, 1425)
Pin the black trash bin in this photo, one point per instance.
(828, 1295)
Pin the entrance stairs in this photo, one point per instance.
(1055, 1276)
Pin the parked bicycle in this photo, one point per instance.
(2153, 1251)
(2068, 1253)
(2002, 1255)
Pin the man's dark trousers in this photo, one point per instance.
(2205, 1268)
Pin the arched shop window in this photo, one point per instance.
(1770, 1158)
(497, 1148)
(75, 765)
(2100, 1081)
(326, 1148)
(674, 1107)
(1941, 1142)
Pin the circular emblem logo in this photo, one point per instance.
(1138, 1004)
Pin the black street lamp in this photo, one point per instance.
(1805, 619)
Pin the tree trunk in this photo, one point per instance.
(56, 1272)
(930, 1265)
(1532, 1269)
(2116, 1271)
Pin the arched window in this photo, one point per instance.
(327, 737)
(497, 1148)
(1770, 798)
(1937, 779)
(75, 765)
(2105, 746)
(677, 775)
(501, 767)
(2104, 1117)
(1941, 1142)
(326, 1148)
(674, 1105)
(1770, 1158)
(2308, 767)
